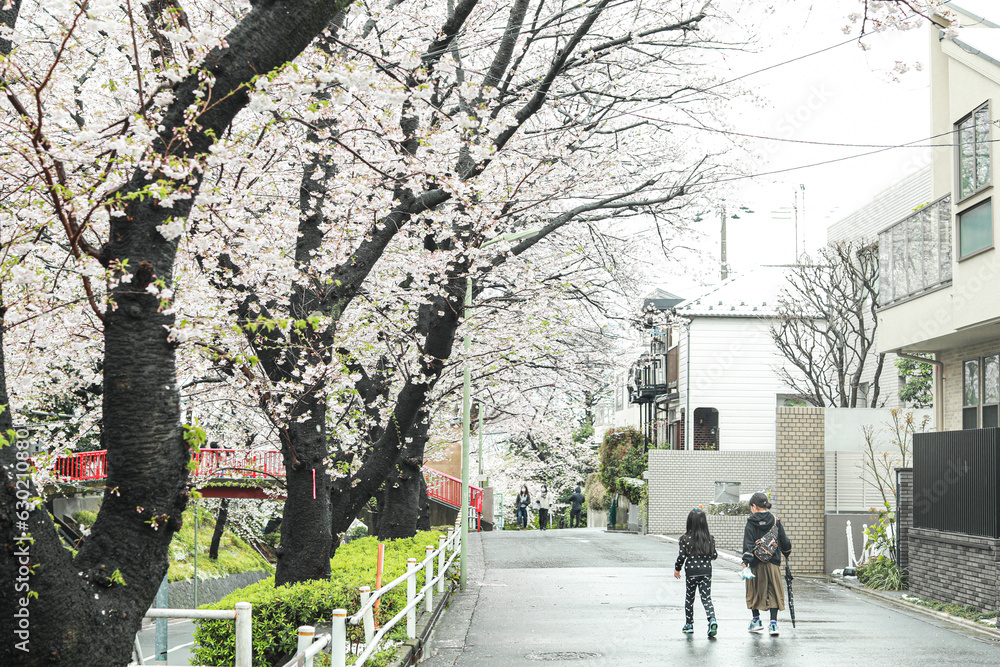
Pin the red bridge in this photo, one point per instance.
(246, 473)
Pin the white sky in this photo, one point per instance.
(844, 95)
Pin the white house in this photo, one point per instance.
(727, 386)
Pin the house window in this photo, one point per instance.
(970, 394)
(974, 151)
(975, 228)
(706, 429)
(991, 391)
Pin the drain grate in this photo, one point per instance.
(563, 655)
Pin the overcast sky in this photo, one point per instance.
(845, 95)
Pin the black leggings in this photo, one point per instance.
(773, 610)
(703, 583)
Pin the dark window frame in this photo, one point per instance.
(959, 196)
(970, 411)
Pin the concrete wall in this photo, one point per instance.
(799, 493)
(835, 553)
(180, 594)
(680, 480)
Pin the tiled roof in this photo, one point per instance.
(753, 294)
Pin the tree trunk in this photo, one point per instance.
(305, 525)
(424, 517)
(398, 517)
(220, 526)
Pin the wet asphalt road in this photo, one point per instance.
(586, 597)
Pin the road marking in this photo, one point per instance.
(152, 658)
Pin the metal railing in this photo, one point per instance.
(366, 616)
(232, 463)
(448, 490)
(242, 614)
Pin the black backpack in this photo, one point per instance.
(767, 545)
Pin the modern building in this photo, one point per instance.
(939, 266)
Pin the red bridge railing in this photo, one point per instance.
(227, 463)
(448, 490)
(258, 464)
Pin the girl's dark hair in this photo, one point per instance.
(760, 500)
(697, 532)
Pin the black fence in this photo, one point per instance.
(956, 481)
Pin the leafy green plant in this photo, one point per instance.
(279, 611)
(882, 573)
(730, 509)
(595, 493)
(235, 555)
(623, 456)
(84, 518)
(966, 611)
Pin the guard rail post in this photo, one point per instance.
(429, 579)
(369, 616)
(411, 595)
(338, 639)
(441, 559)
(305, 637)
(244, 634)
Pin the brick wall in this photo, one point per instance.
(904, 514)
(799, 497)
(682, 480)
(952, 360)
(955, 568)
(727, 531)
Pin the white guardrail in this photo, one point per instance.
(243, 614)
(309, 645)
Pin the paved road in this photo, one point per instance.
(586, 597)
(180, 642)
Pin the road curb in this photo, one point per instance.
(918, 609)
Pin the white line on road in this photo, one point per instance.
(152, 658)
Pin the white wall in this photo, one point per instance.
(732, 370)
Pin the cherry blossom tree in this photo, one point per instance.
(106, 150)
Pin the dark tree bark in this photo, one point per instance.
(401, 507)
(220, 527)
(83, 612)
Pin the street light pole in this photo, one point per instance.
(467, 413)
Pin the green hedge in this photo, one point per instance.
(623, 455)
(278, 612)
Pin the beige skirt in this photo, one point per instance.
(765, 590)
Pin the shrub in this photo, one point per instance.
(595, 493)
(622, 456)
(882, 573)
(730, 509)
(86, 518)
(279, 611)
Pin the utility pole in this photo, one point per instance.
(725, 268)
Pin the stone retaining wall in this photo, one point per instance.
(180, 594)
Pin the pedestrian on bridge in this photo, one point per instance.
(764, 536)
(522, 503)
(697, 548)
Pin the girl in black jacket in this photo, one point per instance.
(763, 579)
(697, 547)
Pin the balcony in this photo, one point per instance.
(649, 377)
(915, 254)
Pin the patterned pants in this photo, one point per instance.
(703, 583)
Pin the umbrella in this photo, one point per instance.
(791, 600)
